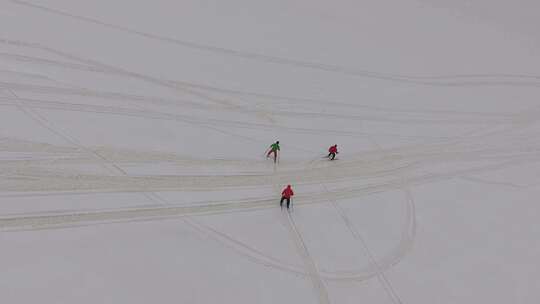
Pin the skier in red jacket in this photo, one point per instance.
(286, 194)
(332, 151)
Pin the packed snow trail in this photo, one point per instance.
(310, 265)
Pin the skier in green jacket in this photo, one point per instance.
(274, 148)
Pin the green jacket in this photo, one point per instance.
(274, 147)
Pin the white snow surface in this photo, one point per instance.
(132, 136)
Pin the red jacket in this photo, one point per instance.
(332, 149)
(287, 193)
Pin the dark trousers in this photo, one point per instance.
(288, 201)
(331, 155)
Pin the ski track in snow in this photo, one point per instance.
(309, 264)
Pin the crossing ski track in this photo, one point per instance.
(98, 67)
(302, 251)
(408, 231)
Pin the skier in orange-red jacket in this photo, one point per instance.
(332, 151)
(286, 194)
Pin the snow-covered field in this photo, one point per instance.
(132, 136)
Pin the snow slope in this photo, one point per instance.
(132, 139)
